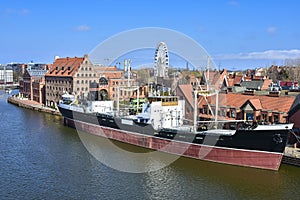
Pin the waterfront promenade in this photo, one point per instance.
(33, 105)
(291, 156)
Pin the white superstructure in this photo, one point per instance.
(163, 112)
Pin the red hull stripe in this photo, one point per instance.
(240, 157)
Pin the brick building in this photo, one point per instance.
(72, 75)
(33, 85)
(111, 78)
(185, 92)
(237, 106)
(77, 75)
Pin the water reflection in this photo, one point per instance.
(40, 158)
(124, 157)
(191, 178)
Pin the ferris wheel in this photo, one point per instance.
(161, 60)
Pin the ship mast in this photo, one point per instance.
(206, 92)
(195, 110)
(207, 76)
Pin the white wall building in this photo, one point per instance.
(6, 76)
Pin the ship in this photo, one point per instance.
(161, 126)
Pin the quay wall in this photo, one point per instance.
(291, 160)
(291, 156)
(31, 105)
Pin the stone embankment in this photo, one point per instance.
(291, 156)
(32, 105)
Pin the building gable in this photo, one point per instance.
(252, 104)
(26, 74)
(65, 67)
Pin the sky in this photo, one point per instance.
(237, 34)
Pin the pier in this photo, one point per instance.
(9, 86)
(291, 156)
(32, 105)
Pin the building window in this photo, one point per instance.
(276, 119)
(264, 117)
(223, 112)
(270, 119)
(205, 110)
(103, 81)
(77, 81)
(233, 113)
(82, 81)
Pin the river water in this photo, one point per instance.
(40, 158)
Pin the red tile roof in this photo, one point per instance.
(187, 91)
(256, 103)
(236, 100)
(65, 67)
(238, 79)
(215, 78)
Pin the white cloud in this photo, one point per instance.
(272, 30)
(268, 55)
(83, 28)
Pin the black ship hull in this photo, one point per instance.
(237, 149)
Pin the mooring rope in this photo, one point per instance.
(296, 136)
